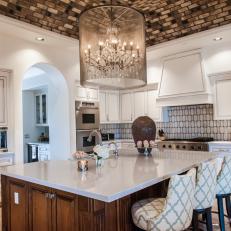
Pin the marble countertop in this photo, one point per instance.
(118, 177)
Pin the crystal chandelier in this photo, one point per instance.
(112, 47)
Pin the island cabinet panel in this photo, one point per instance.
(16, 217)
(64, 210)
(39, 208)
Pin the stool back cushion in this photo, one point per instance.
(172, 213)
(224, 177)
(206, 181)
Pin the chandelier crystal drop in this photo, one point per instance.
(112, 47)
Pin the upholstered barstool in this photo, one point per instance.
(171, 213)
(224, 191)
(205, 193)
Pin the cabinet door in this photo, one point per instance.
(81, 93)
(64, 211)
(139, 104)
(222, 97)
(3, 102)
(38, 109)
(40, 208)
(18, 202)
(92, 94)
(113, 105)
(44, 108)
(153, 111)
(126, 107)
(102, 106)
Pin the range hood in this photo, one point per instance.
(183, 80)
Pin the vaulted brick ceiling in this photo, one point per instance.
(165, 19)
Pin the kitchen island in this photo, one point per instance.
(54, 195)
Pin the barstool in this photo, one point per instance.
(224, 191)
(205, 193)
(171, 213)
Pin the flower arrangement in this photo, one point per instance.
(101, 151)
(80, 155)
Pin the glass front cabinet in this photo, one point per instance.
(41, 109)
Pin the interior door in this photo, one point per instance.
(40, 208)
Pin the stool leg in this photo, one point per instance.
(228, 208)
(209, 223)
(221, 212)
(195, 220)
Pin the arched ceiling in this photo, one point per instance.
(165, 20)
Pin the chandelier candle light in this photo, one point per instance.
(112, 47)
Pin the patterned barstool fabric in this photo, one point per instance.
(171, 213)
(206, 181)
(224, 177)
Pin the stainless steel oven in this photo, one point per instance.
(82, 143)
(87, 115)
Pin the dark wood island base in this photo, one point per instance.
(32, 207)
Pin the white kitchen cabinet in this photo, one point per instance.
(103, 107)
(109, 107)
(126, 107)
(221, 85)
(3, 98)
(87, 94)
(139, 104)
(153, 110)
(41, 109)
(221, 148)
(113, 106)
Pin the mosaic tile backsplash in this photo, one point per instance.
(184, 122)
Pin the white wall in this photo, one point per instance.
(19, 55)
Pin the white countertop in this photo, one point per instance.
(115, 179)
(220, 142)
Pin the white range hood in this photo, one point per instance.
(183, 80)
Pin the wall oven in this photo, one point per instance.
(87, 115)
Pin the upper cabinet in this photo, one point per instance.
(221, 85)
(109, 106)
(139, 103)
(126, 107)
(87, 94)
(41, 109)
(183, 80)
(4, 75)
(153, 110)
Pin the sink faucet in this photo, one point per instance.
(115, 151)
(98, 134)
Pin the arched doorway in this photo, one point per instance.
(46, 110)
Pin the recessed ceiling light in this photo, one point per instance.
(217, 39)
(40, 39)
